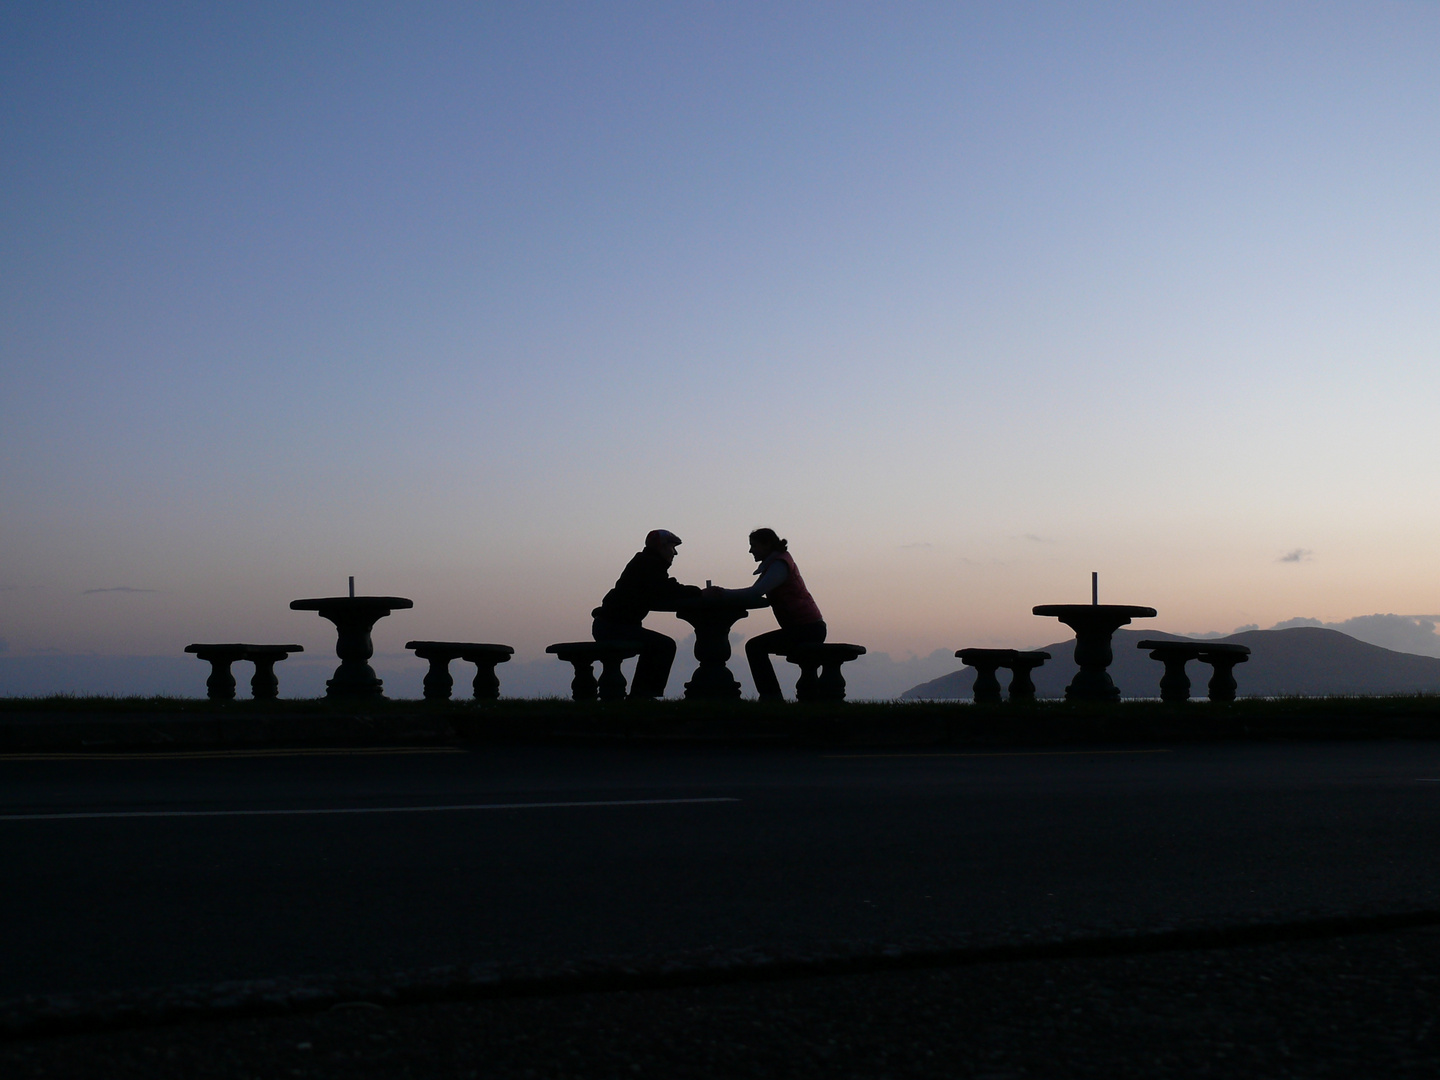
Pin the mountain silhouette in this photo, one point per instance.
(1303, 660)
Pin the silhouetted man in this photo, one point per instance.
(645, 586)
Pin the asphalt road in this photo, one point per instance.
(157, 870)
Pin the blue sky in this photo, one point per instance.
(966, 300)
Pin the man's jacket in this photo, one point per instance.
(644, 586)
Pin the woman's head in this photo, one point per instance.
(765, 541)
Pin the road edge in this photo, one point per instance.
(49, 1015)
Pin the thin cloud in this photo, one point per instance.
(915, 546)
(1037, 539)
(1297, 555)
(1210, 635)
(117, 588)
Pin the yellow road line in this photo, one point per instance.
(194, 755)
(1002, 753)
(94, 815)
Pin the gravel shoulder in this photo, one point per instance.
(1347, 1006)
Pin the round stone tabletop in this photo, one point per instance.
(352, 603)
(1064, 612)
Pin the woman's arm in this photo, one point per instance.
(775, 575)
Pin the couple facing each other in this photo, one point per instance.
(645, 585)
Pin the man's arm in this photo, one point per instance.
(673, 593)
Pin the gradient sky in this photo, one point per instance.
(966, 300)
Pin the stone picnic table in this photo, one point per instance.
(1094, 625)
(354, 617)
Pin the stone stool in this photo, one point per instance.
(1022, 686)
(987, 661)
(1175, 683)
(438, 682)
(829, 685)
(264, 685)
(1222, 660)
(583, 654)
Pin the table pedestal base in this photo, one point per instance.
(354, 678)
(1093, 684)
(712, 623)
(712, 680)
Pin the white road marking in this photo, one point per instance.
(1004, 753)
(356, 810)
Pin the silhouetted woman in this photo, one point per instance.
(795, 609)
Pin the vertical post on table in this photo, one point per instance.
(352, 586)
(1094, 587)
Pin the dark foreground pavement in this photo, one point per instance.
(1345, 1007)
(163, 870)
(127, 876)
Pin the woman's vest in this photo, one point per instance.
(791, 602)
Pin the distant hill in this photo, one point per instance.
(1304, 660)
